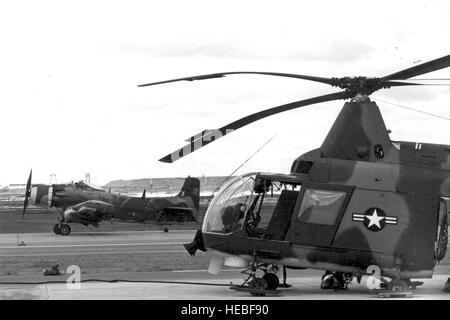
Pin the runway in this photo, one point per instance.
(184, 282)
(47, 244)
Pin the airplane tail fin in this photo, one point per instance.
(191, 188)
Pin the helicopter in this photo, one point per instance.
(358, 202)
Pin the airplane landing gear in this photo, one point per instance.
(56, 229)
(65, 229)
(62, 229)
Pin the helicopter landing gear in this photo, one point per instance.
(284, 284)
(401, 284)
(272, 281)
(447, 286)
(397, 285)
(336, 280)
(256, 286)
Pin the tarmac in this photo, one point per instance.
(49, 244)
(165, 285)
(198, 285)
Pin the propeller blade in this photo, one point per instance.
(210, 136)
(223, 74)
(27, 193)
(423, 68)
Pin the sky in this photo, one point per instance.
(69, 73)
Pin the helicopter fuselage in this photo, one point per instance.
(361, 214)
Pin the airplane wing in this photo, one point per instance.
(179, 214)
(88, 212)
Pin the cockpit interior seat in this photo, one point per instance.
(282, 214)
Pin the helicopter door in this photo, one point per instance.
(317, 214)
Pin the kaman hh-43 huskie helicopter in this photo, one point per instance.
(360, 200)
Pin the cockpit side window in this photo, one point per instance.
(321, 206)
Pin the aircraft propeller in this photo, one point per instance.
(27, 193)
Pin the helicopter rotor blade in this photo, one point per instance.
(423, 68)
(400, 84)
(27, 194)
(223, 74)
(200, 141)
(389, 84)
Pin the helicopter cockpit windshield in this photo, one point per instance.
(226, 211)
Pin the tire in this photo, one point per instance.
(56, 229)
(165, 229)
(442, 241)
(272, 281)
(397, 285)
(259, 284)
(65, 229)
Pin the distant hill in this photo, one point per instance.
(161, 185)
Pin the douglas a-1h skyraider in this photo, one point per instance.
(83, 203)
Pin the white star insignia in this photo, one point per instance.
(374, 219)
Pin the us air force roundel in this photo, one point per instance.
(374, 219)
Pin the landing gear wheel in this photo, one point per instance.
(272, 281)
(56, 229)
(258, 284)
(65, 229)
(397, 285)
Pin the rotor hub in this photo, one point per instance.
(360, 98)
(359, 85)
